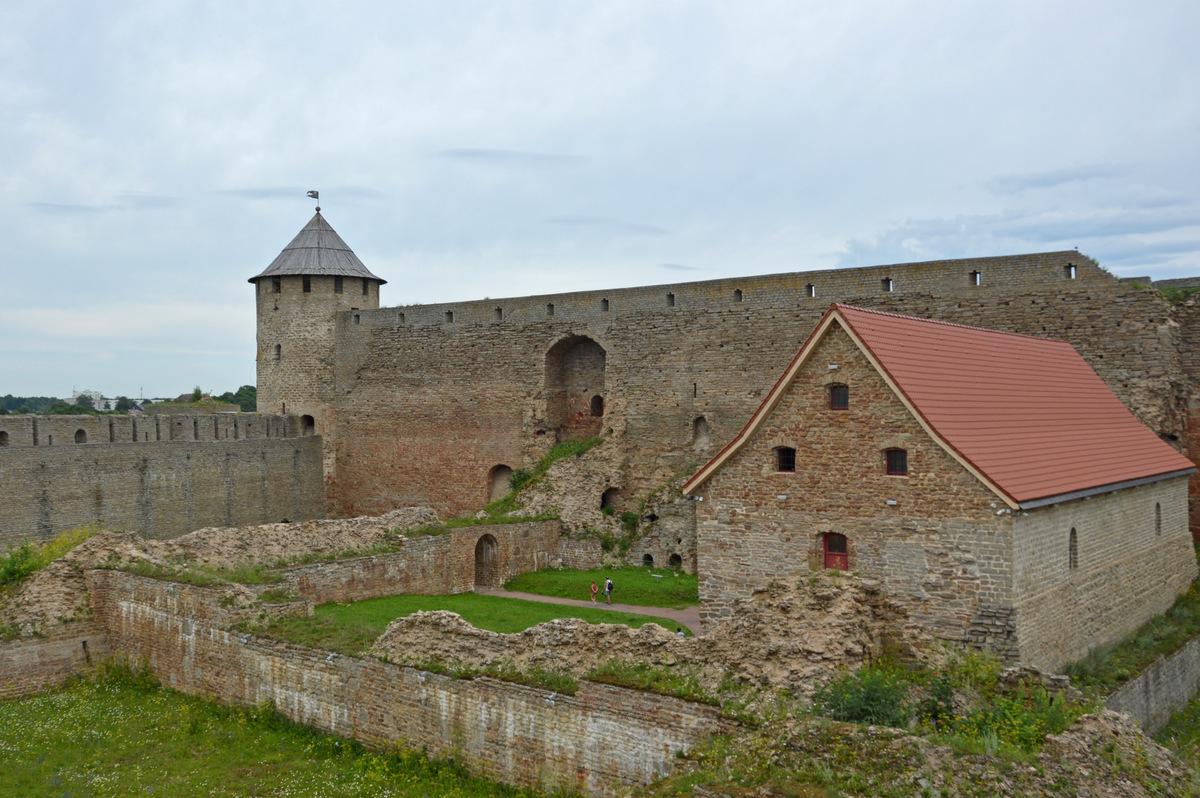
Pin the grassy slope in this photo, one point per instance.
(352, 628)
(646, 587)
(122, 737)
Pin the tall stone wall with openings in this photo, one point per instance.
(431, 398)
(160, 476)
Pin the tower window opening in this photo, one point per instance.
(597, 405)
(670, 300)
(276, 285)
(307, 284)
(308, 426)
(1157, 518)
(976, 278)
(810, 291)
(357, 319)
(737, 295)
(449, 316)
(1070, 271)
(364, 282)
(897, 462)
(1073, 551)
(3, 438)
(278, 352)
(550, 309)
(337, 284)
(499, 314)
(80, 436)
(886, 284)
(604, 306)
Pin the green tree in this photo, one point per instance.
(197, 394)
(124, 403)
(84, 402)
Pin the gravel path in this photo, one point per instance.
(689, 617)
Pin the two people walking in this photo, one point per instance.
(608, 589)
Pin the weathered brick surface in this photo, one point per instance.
(598, 741)
(161, 477)
(1161, 690)
(430, 564)
(1129, 569)
(29, 665)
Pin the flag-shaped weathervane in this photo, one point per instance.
(317, 196)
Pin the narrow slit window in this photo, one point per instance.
(364, 282)
(839, 397)
(897, 462)
(785, 459)
(337, 285)
(886, 284)
(1157, 519)
(550, 309)
(1073, 551)
(307, 284)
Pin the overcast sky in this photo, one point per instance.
(153, 159)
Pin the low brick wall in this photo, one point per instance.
(31, 664)
(429, 564)
(1161, 690)
(598, 741)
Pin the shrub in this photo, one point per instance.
(27, 558)
(865, 696)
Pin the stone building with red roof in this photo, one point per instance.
(990, 481)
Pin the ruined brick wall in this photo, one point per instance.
(933, 537)
(429, 564)
(1132, 563)
(161, 477)
(30, 665)
(430, 398)
(599, 741)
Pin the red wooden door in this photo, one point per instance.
(835, 552)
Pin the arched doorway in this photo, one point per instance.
(487, 570)
(80, 436)
(575, 387)
(837, 555)
(307, 425)
(499, 482)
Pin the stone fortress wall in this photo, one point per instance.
(160, 476)
(430, 399)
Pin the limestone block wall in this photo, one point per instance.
(430, 398)
(1161, 690)
(600, 741)
(933, 537)
(183, 473)
(1134, 557)
(429, 564)
(29, 665)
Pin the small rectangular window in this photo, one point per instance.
(337, 285)
(810, 291)
(550, 309)
(670, 300)
(887, 285)
(839, 397)
(785, 459)
(499, 314)
(364, 282)
(1070, 271)
(276, 285)
(737, 295)
(604, 306)
(449, 316)
(897, 462)
(976, 279)
(307, 284)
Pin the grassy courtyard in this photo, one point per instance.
(645, 587)
(352, 628)
(120, 735)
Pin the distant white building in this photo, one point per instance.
(97, 398)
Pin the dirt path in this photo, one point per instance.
(689, 617)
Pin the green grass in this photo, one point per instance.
(123, 736)
(1182, 734)
(27, 558)
(660, 679)
(352, 628)
(645, 587)
(1106, 668)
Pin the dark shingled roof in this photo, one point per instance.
(317, 249)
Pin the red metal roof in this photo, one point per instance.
(1027, 414)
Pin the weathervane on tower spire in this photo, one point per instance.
(317, 196)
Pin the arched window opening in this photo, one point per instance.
(701, 437)
(1073, 551)
(648, 560)
(1157, 519)
(897, 462)
(499, 482)
(487, 570)
(597, 406)
(609, 498)
(308, 426)
(574, 379)
(837, 554)
(785, 458)
(80, 436)
(839, 397)
(675, 561)
(3, 438)
(278, 352)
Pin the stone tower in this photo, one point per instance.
(298, 297)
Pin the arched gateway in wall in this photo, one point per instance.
(575, 397)
(487, 566)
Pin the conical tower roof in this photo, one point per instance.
(317, 249)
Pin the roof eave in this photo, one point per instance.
(1061, 498)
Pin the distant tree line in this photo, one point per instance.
(245, 398)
